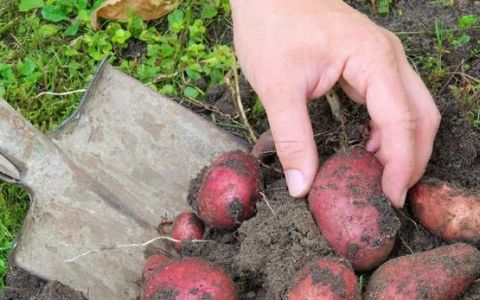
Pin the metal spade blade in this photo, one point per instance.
(104, 178)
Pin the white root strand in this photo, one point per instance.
(129, 246)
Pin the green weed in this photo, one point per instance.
(13, 206)
(447, 40)
(443, 2)
(383, 6)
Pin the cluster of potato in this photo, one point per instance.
(352, 214)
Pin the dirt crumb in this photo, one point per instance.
(21, 285)
(388, 222)
(269, 248)
(54, 290)
(166, 294)
(324, 275)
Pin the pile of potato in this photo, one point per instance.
(352, 214)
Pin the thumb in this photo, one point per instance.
(293, 136)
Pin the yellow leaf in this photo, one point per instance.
(146, 9)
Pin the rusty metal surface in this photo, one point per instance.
(8, 172)
(104, 179)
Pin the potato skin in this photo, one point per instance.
(187, 226)
(446, 211)
(229, 191)
(152, 263)
(443, 273)
(350, 209)
(327, 278)
(188, 279)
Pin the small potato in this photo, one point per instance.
(229, 190)
(443, 273)
(188, 278)
(447, 211)
(187, 226)
(327, 278)
(351, 210)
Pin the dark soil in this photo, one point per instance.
(265, 252)
(23, 286)
(326, 275)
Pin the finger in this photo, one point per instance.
(351, 92)
(427, 121)
(292, 132)
(390, 110)
(374, 140)
(373, 143)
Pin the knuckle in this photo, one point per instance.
(290, 149)
(394, 40)
(409, 121)
(436, 118)
(403, 121)
(383, 42)
(381, 46)
(432, 119)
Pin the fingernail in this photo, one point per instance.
(403, 197)
(296, 182)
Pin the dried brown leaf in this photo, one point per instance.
(146, 9)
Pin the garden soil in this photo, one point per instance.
(265, 252)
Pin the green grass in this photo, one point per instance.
(61, 53)
(431, 62)
(13, 206)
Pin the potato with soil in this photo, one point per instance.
(443, 273)
(446, 211)
(229, 190)
(351, 210)
(187, 226)
(327, 278)
(188, 278)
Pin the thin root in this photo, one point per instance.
(237, 99)
(411, 220)
(108, 248)
(277, 170)
(337, 112)
(406, 245)
(268, 204)
(60, 94)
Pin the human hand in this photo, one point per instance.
(291, 51)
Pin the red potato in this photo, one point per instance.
(187, 226)
(229, 190)
(440, 274)
(350, 209)
(446, 211)
(188, 279)
(152, 263)
(327, 278)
